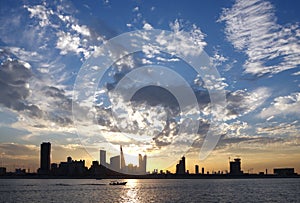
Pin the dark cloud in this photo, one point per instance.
(105, 118)
(235, 103)
(155, 96)
(167, 135)
(60, 110)
(15, 94)
(226, 141)
(12, 149)
(242, 102)
(13, 84)
(203, 127)
(64, 103)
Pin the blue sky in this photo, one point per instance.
(253, 45)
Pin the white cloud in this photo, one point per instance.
(297, 73)
(105, 2)
(81, 29)
(212, 83)
(71, 36)
(190, 42)
(40, 12)
(283, 105)
(135, 9)
(234, 129)
(252, 28)
(218, 59)
(147, 26)
(67, 43)
(23, 54)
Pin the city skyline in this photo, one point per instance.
(118, 163)
(100, 74)
(118, 168)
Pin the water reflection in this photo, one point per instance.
(147, 190)
(131, 191)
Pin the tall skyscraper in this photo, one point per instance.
(103, 157)
(123, 165)
(145, 164)
(196, 169)
(45, 158)
(140, 161)
(142, 164)
(180, 167)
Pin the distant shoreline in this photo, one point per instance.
(153, 176)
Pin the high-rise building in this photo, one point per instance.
(142, 164)
(115, 163)
(202, 171)
(123, 164)
(103, 157)
(196, 169)
(45, 158)
(145, 164)
(235, 167)
(140, 160)
(180, 167)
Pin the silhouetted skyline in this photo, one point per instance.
(75, 168)
(54, 86)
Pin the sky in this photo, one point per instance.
(211, 80)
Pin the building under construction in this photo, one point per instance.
(235, 167)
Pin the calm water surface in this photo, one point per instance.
(153, 190)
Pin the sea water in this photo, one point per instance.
(150, 190)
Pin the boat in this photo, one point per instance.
(117, 183)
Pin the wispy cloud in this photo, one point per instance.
(252, 28)
(283, 105)
(40, 12)
(279, 129)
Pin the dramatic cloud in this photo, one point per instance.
(151, 112)
(14, 85)
(45, 47)
(251, 27)
(43, 102)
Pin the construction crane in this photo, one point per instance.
(250, 170)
